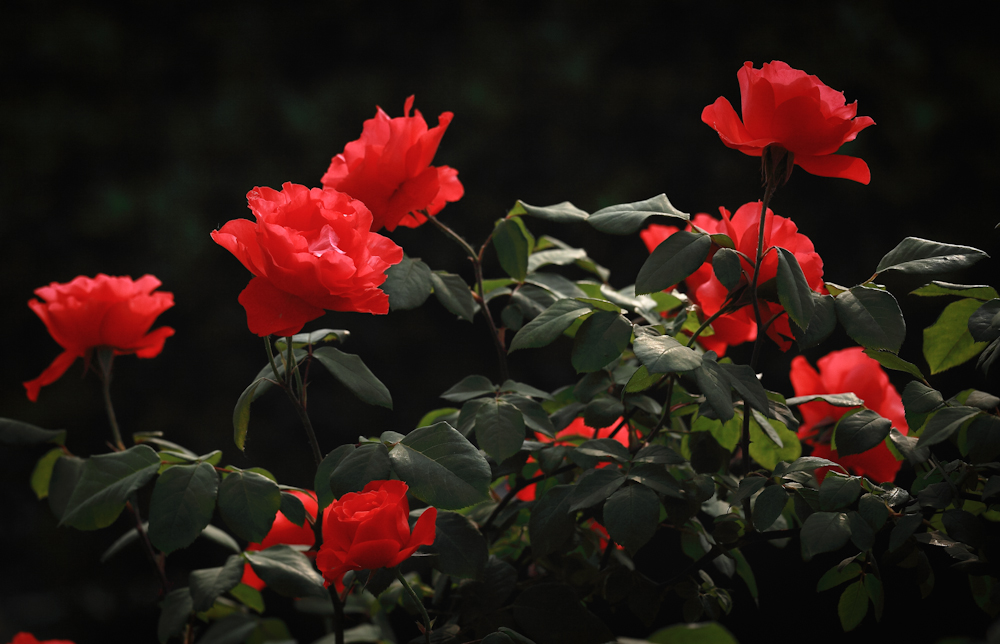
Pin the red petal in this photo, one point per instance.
(271, 311)
(836, 165)
(52, 373)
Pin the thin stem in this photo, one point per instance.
(310, 432)
(156, 560)
(704, 325)
(104, 360)
(291, 367)
(419, 603)
(666, 410)
(517, 488)
(270, 359)
(338, 615)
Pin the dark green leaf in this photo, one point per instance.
(15, 432)
(821, 324)
(554, 283)
(603, 412)
(106, 482)
(408, 284)
(745, 382)
(658, 454)
(292, 508)
(441, 467)
(859, 432)
(768, 506)
(853, 605)
(663, 354)
(873, 510)
(871, 317)
(321, 481)
(470, 387)
(984, 323)
(549, 324)
(862, 535)
(656, 477)
(234, 628)
(631, 515)
(892, 361)
(978, 291)
(248, 503)
(837, 575)
(220, 537)
(41, 475)
(747, 488)
(988, 356)
(793, 290)
(944, 423)
(552, 614)
(964, 527)
(824, 532)
(319, 336)
(627, 218)
(600, 339)
(182, 505)
(562, 213)
(175, 609)
(922, 256)
(904, 527)
(982, 442)
(714, 385)
(595, 486)
(241, 413)
(499, 429)
(351, 371)
(453, 294)
(727, 268)
(513, 244)
(207, 584)
(837, 400)
(551, 523)
(876, 594)
(461, 549)
(919, 398)
(605, 448)
(948, 342)
(838, 491)
(360, 466)
(287, 572)
(535, 417)
(510, 386)
(676, 258)
(804, 464)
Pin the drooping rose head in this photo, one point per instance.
(284, 532)
(100, 312)
(309, 250)
(28, 638)
(796, 111)
(848, 370)
(370, 529)
(389, 169)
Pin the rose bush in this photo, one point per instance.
(389, 169)
(709, 294)
(309, 250)
(369, 529)
(102, 311)
(848, 370)
(285, 532)
(789, 108)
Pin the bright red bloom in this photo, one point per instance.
(309, 250)
(601, 532)
(707, 292)
(792, 109)
(284, 532)
(848, 370)
(389, 169)
(28, 638)
(369, 529)
(103, 311)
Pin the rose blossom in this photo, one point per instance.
(28, 638)
(848, 370)
(103, 311)
(284, 532)
(389, 169)
(309, 250)
(705, 289)
(369, 529)
(796, 111)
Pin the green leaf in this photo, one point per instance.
(871, 317)
(241, 413)
(768, 506)
(714, 385)
(918, 398)
(499, 429)
(793, 289)
(838, 491)
(535, 416)
(441, 467)
(922, 256)
(859, 432)
(550, 523)
(804, 464)
(321, 482)
(461, 549)
(554, 283)
(292, 508)
(234, 628)
(175, 609)
(631, 516)
(600, 339)
(984, 324)
(875, 593)
(837, 400)
(821, 324)
(663, 354)
(549, 324)
(700, 633)
(248, 503)
(557, 257)
(838, 575)
(948, 342)
(594, 486)
(42, 474)
(453, 294)
(824, 532)
(944, 423)
(15, 432)
(207, 584)
(853, 605)
(677, 257)
(562, 213)
(287, 572)
(66, 472)
(248, 596)
(980, 292)
(219, 537)
(513, 244)
(182, 505)
(627, 218)
(604, 448)
(727, 268)
(106, 482)
(658, 454)
(656, 477)
(351, 371)
(470, 387)
(319, 336)
(359, 466)
(641, 380)
(892, 361)
(408, 284)
(745, 382)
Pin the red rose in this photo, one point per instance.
(309, 250)
(389, 169)
(104, 311)
(848, 370)
(285, 532)
(707, 292)
(369, 529)
(792, 109)
(28, 638)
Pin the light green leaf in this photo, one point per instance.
(948, 342)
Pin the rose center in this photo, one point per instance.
(326, 241)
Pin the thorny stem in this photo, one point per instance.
(419, 603)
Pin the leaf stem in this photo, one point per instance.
(419, 603)
(105, 358)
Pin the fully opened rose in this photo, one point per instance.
(389, 169)
(100, 312)
(848, 370)
(794, 110)
(283, 531)
(309, 250)
(369, 529)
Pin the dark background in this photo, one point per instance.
(128, 134)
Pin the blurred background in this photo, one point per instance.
(128, 134)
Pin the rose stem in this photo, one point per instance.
(423, 610)
(338, 615)
(297, 402)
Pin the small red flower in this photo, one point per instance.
(285, 532)
(28, 638)
(848, 370)
(796, 111)
(369, 529)
(389, 169)
(103, 311)
(309, 250)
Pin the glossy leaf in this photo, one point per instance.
(461, 548)
(352, 372)
(563, 212)
(824, 532)
(360, 466)
(793, 289)
(821, 324)
(535, 416)
(513, 245)
(676, 258)
(948, 342)
(745, 382)
(105, 484)
(241, 413)
(453, 294)
(499, 429)
(768, 506)
(699, 633)
(554, 256)
(631, 516)
(234, 628)
(984, 323)
(859, 432)
(892, 361)
(657, 478)
(871, 317)
(287, 572)
(838, 491)
(554, 283)
(207, 584)
(922, 256)
(727, 268)
(664, 354)
(408, 284)
(321, 482)
(627, 218)
(15, 432)
(919, 398)
(549, 325)
(182, 505)
(944, 423)
(248, 503)
(319, 336)
(292, 508)
(600, 339)
(803, 464)
(714, 385)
